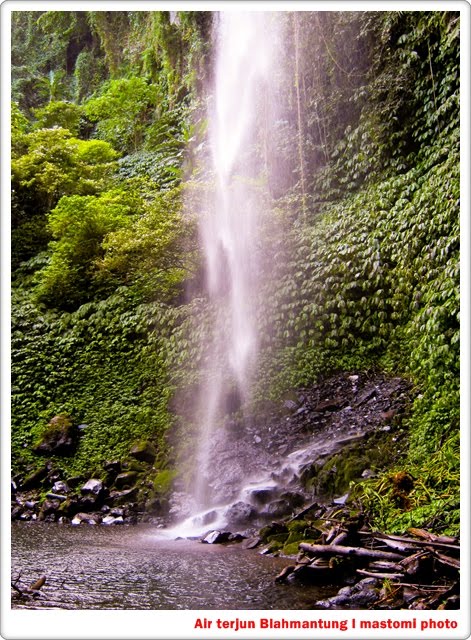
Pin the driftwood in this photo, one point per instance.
(28, 592)
(422, 569)
(436, 542)
(340, 550)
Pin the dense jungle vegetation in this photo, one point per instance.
(108, 125)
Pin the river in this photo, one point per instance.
(125, 567)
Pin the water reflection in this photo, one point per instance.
(133, 568)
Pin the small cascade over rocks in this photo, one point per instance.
(275, 464)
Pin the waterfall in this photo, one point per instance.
(230, 230)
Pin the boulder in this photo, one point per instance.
(262, 495)
(144, 452)
(153, 506)
(240, 512)
(118, 498)
(112, 466)
(93, 493)
(279, 508)
(49, 508)
(16, 512)
(59, 437)
(92, 486)
(86, 518)
(126, 480)
(35, 478)
(60, 487)
(217, 537)
(251, 543)
(109, 520)
(75, 481)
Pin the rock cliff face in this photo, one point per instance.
(265, 467)
(310, 447)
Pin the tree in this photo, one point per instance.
(79, 225)
(57, 164)
(122, 112)
(58, 113)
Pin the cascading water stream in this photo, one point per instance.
(230, 231)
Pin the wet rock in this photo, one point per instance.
(118, 498)
(290, 405)
(60, 487)
(70, 506)
(153, 506)
(126, 480)
(236, 537)
(112, 466)
(16, 512)
(240, 512)
(93, 493)
(110, 520)
(144, 452)
(295, 498)
(48, 508)
(263, 495)
(329, 405)
(56, 496)
(86, 518)
(75, 481)
(59, 437)
(216, 537)
(92, 486)
(251, 543)
(279, 508)
(362, 594)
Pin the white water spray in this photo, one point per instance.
(231, 230)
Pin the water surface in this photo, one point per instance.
(126, 567)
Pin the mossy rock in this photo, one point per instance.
(272, 529)
(278, 538)
(58, 438)
(162, 482)
(291, 549)
(144, 451)
(126, 480)
(297, 526)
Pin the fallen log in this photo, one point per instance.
(338, 550)
(427, 535)
(420, 543)
(450, 562)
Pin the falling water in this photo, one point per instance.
(231, 230)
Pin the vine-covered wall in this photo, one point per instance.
(364, 186)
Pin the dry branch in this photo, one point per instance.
(334, 550)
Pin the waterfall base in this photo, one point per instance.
(308, 449)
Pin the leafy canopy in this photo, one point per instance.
(122, 112)
(79, 225)
(56, 164)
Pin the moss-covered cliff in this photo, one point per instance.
(108, 123)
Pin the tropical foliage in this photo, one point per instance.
(108, 119)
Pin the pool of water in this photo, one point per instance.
(123, 567)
